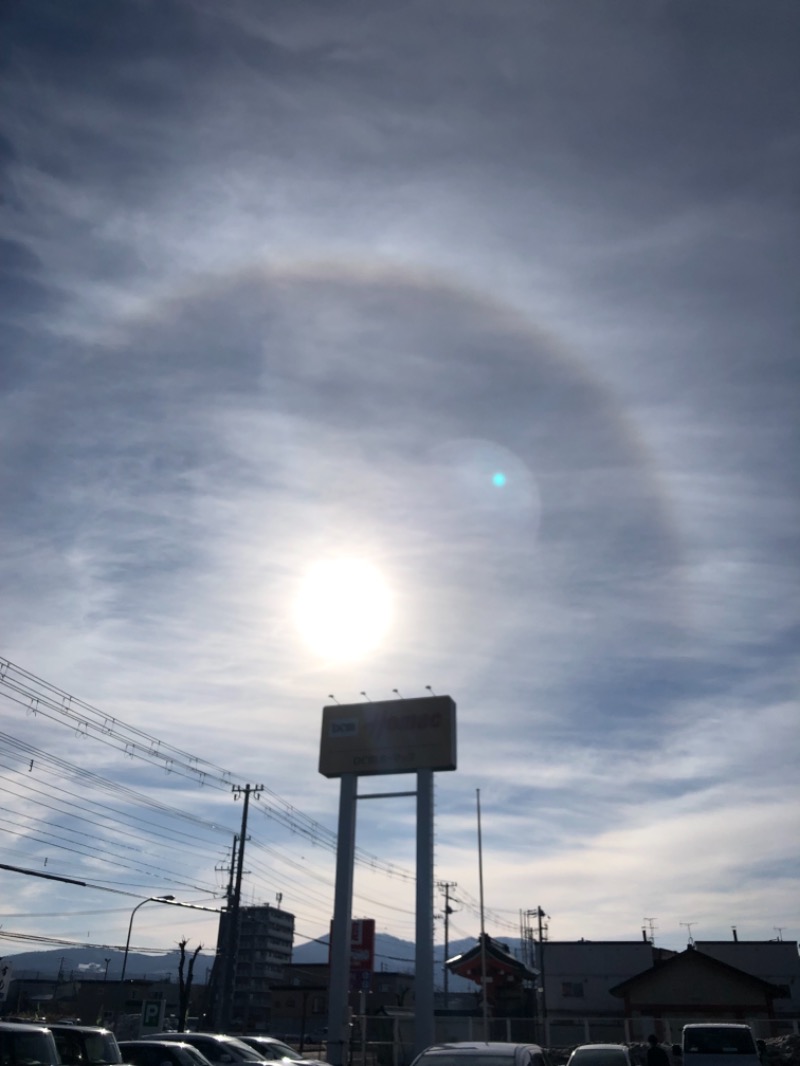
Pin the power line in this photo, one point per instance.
(40, 698)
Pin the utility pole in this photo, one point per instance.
(445, 886)
(542, 930)
(232, 921)
(217, 990)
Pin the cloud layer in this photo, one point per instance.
(503, 305)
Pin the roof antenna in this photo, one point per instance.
(332, 697)
(428, 687)
(396, 691)
(366, 697)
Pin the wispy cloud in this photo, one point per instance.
(503, 305)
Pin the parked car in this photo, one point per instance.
(85, 1045)
(717, 1044)
(161, 1053)
(27, 1045)
(272, 1049)
(218, 1048)
(600, 1055)
(474, 1053)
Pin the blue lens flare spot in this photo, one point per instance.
(499, 479)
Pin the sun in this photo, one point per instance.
(343, 609)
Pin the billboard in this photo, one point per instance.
(389, 737)
(362, 945)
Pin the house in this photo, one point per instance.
(693, 986)
(510, 984)
(776, 961)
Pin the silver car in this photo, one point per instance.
(475, 1053)
(272, 1049)
(600, 1055)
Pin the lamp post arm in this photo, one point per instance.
(156, 899)
(128, 941)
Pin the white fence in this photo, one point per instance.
(389, 1041)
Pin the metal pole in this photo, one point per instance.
(338, 1022)
(545, 1034)
(483, 927)
(423, 966)
(150, 899)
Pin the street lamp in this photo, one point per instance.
(150, 899)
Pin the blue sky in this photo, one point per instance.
(498, 300)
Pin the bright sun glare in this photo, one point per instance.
(343, 609)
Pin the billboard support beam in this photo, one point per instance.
(395, 736)
(338, 1021)
(423, 965)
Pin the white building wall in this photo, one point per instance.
(578, 974)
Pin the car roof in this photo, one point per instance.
(153, 1040)
(477, 1047)
(183, 1036)
(77, 1027)
(716, 1025)
(28, 1027)
(605, 1047)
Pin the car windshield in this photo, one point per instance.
(239, 1050)
(719, 1042)
(274, 1049)
(196, 1056)
(102, 1047)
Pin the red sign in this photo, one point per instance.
(362, 945)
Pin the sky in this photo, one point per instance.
(354, 351)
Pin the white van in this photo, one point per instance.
(717, 1044)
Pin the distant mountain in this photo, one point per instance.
(391, 953)
(396, 953)
(90, 963)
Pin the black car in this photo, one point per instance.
(31, 1044)
(219, 1049)
(161, 1053)
(85, 1045)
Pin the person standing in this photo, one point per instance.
(656, 1055)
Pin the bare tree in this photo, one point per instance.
(185, 978)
